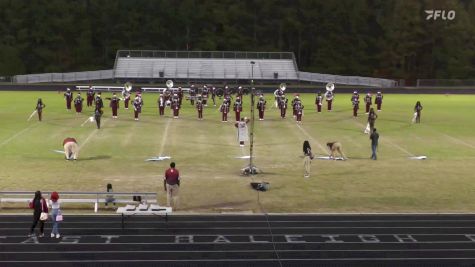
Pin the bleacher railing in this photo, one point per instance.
(349, 80)
(65, 77)
(444, 82)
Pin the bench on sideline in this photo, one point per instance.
(95, 198)
(143, 209)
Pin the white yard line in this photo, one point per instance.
(312, 139)
(164, 137)
(387, 140)
(91, 135)
(458, 141)
(16, 135)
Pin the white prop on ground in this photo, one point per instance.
(159, 158)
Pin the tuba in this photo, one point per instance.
(169, 84)
(283, 86)
(128, 86)
(330, 87)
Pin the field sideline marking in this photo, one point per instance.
(164, 137)
(388, 141)
(91, 135)
(313, 139)
(16, 135)
(457, 141)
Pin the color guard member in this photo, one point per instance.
(71, 148)
(335, 147)
(243, 133)
(39, 108)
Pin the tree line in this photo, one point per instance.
(379, 38)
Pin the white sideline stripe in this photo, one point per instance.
(236, 250)
(239, 243)
(246, 260)
(312, 139)
(458, 141)
(16, 135)
(91, 135)
(271, 221)
(247, 235)
(273, 227)
(164, 137)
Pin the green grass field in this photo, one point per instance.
(205, 153)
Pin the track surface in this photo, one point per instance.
(245, 240)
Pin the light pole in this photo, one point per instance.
(251, 169)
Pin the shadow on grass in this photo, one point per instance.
(222, 205)
(96, 157)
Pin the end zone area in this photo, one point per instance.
(244, 240)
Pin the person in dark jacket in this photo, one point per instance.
(38, 204)
(374, 143)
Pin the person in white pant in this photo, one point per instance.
(55, 205)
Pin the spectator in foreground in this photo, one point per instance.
(39, 206)
(56, 215)
(171, 184)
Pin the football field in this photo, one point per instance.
(207, 154)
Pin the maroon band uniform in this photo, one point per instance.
(138, 103)
(78, 103)
(329, 95)
(161, 105)
(379, 100)
(114, 104)
(318, 102)
(204, 94)
(293, 103)
(90, 97)
(261, 106)
(199, 108)
(224, 109)
(69, 99)
(368, 99)
(126, 96)
(299, 111)
(356, 104)
(238, 108)
(283, 102)
(192, 93)
(175, 106)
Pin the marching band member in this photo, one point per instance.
(356, 103)
(161, 105)
(192, 93)
(243, 133)
(329, 95)
(283, 106)
(69, 98)
(175, 105)
(261, 106)
(213, 95)
(299, 111)
(318, 102)
(368, 99)
(293, 103)
(204, 95)
(278, 95)
(78, 103)
(90, 97)
(114, 104)
(240, 93)
(238, 108)
(138, 103)
(180, 95)
(224, 109)
(379, 100)
(126, 95)
(199, 108)
(39, 108)
(98, 101)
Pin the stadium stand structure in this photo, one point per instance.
(150, 65)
